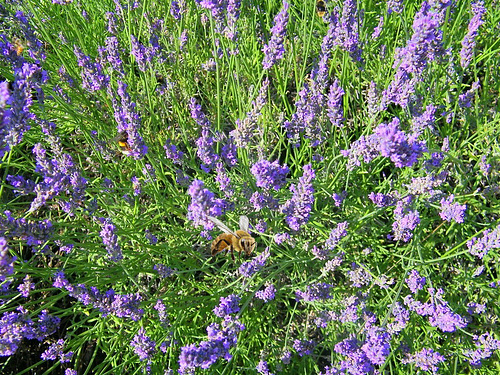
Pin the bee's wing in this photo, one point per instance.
(120, 137)
(221, 225)
(244, 224)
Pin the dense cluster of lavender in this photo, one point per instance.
(365, 211)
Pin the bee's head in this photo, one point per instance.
(248, 244)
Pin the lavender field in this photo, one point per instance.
(249, 187)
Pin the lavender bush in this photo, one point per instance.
(362, 145)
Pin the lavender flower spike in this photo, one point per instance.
(468, 43)
(274, 50)
(299, 207)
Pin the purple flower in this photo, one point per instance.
(112, 52)
(304, 347)
(378, 29)
(394, 6)
(335, 111)
(163, 270)
(247, 128)
(229, 152)
(175, 10)
(336, 234)
(6, 261)
(142, 55)
(389, 141)
(377, 345)
(14, 120)
(279, 238)
(260, 201)
(469, 41)
(412, 60)
(128, 120)
(484, 166)
(16, 326)
(35, 234)
(297, 209)
(203, 204)
(143, 346)
(274, 50)
(405, 220)
(452, 211)
(426, 360)
(358, 275)
(393, 143)
(221, 338)
(465, 99)
(347, 33)
(205, 142)
(26, 286)
(228, 305)
(481, 246)
(93, 77)
(401, 319)
(438, 310)
(173, 153)
(223, 180)
(315, 292)
(338, 199)
(136, 184)
(267, 294)
(426, 120)
(249, 268)
(120, 305)
(381, 200)
(150, 237)
(57, 350)
(485, 345)
(414, 281)
(263, 368)
(110, 240)
(270, 175)
(60, 175)
(233, 14)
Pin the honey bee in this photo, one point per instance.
(239, 241)
(122, 140)
(321, 8)
(19, 46)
